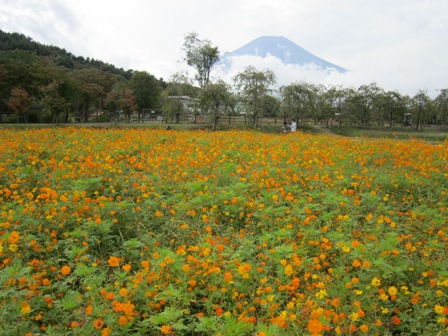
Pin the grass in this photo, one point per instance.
(429, 134)
(399, 133)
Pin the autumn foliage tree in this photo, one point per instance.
(121, 99)
(20, 102)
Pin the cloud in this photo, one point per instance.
(399, 44)
(49, 22)
(389, 77)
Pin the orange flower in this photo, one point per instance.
(122, 320)
(315, 326)
(396, 320)
(14, 237)
(123, 292)
(166, 329)
(106, 332)
(89, 310)
(114, 261)
(366, 264)
(356, 263)
(364, 328)
(98, 323)
(66, 270)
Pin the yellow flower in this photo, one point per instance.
(26, 309)
(288, 270)
(439, 309)
(321, 294)
(13, 248)
(376, 282)
(384, 297)
(392, 290)
(354, 317)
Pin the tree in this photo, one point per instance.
(20, 69)
(271, 106)
(362, 105)
(391, 103)
(253, 85)
(53, 100)
(94, 86)
(121, 99)
(146, 89)
(215, 98)
(201, 55)
(20, 102)
(180, 86)
(296, 100)
(421, 108)
(441, 103)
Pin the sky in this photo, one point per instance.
(398, 44)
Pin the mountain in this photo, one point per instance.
(280, 47)
(60, 57)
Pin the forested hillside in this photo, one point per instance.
(40, 83)
(60, 57)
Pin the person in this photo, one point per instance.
(293, 126)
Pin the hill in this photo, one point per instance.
(61, 57)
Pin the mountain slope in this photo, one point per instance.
(280, 47)
(61, 57)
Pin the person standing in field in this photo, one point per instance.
(293, 126)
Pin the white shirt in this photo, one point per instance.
(293, 126)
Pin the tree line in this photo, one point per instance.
(41, 83)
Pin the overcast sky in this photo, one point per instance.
(399, 44)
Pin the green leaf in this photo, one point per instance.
(169, 315)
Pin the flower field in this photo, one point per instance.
(156, 232)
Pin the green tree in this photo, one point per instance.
(362, 105)
(53, 100)
(201, 55)
(252, 86)
(20, 69)
(422, 107)
(393, 106)
(296, 100)
(271, 106)
(331, 102)
(179, 89)
(146, 89)
(216, 99)
(93, 87)
(441, 103)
